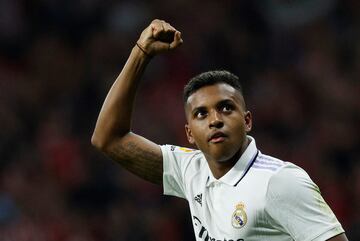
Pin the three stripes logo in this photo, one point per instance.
(198, 198)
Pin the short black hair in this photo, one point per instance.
(211, 78)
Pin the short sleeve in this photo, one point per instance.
(176, 161)
(294, 203)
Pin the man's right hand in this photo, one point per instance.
(159, 37)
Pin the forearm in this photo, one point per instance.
(114, 119)
(112, 133)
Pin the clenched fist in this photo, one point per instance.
(159, 37)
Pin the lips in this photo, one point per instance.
(217, 137)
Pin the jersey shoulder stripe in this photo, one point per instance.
(269, 163)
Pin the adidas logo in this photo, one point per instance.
(198, 198)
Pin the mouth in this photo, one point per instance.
(217, 137)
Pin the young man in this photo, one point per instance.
(234, 191)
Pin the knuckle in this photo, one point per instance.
(156, 22)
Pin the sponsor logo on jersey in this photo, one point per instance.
(184, 149)
(204, 234)
(239, 217)
(198, 198)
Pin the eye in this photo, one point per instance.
(200, 114)
(226, 108)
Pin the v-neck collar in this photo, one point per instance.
(239, 170)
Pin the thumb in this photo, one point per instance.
(177, 40)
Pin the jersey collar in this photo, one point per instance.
(239, 170)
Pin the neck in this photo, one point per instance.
(219, 169)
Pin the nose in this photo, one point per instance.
(215, 120)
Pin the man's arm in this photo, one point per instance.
(341, 237)
(112, 134)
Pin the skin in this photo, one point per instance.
(113, 135)
(213, 109)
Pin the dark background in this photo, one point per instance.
(298, 61)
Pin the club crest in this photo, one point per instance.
(239, 217)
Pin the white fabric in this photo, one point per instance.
(260, 198)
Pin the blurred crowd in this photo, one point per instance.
(299, 63)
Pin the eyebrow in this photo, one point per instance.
(218, 104)
(226, 101)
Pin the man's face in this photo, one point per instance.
(217, 121)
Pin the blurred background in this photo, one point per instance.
(298, 60)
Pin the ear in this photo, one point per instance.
(189, 134)
(248, 121)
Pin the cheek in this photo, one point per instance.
(237, 122)
(238, 126)
(198, 134)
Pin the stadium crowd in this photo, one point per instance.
(299, 62)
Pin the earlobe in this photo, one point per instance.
(189, 135)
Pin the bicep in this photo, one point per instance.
(138, 155)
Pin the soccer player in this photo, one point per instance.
(235, 192)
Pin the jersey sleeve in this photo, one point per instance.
(294, 204)
(176, 162)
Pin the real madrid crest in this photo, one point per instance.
(239, 217)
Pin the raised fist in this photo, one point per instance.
(159, 37)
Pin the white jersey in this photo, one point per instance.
(260, 198)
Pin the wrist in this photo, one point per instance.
(143, 50)
(140, 54)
